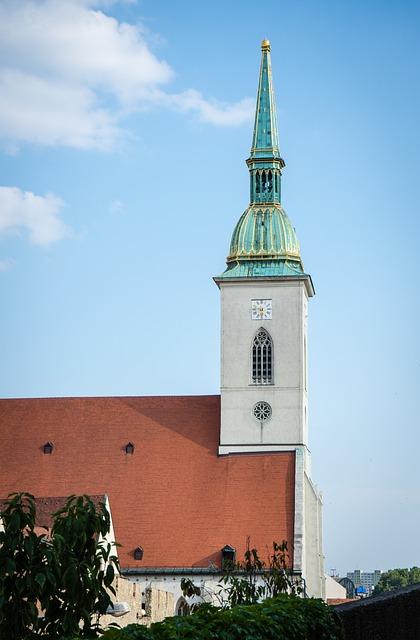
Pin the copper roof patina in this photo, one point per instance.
(264, 241)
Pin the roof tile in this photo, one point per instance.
(174, 497)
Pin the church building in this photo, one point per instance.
(190, 478)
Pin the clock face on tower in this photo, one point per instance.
(261, 310)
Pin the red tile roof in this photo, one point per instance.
(174, 496)
(45, 507)
(333, 602)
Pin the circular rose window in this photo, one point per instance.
(262, 411)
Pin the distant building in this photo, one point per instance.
(334, 590)
(366, 579)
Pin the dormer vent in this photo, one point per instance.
(48, 448)
(228, 557)
(129, 448)
(138, 553)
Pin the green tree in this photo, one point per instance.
(396, 578)
(23, 577)
(58, 584)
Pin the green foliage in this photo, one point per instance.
(252, 580)
(23, 557)
(65, 576)
(286, 617)
(396, 578)
(258, 601)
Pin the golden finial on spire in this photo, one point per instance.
(265, 45)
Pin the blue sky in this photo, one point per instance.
(124, 128)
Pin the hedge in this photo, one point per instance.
(282, 618)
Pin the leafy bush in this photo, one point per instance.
(286, 617)
(254, 580)
(65, 576)
(250, 581)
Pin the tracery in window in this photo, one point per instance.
(262, 411)
(262, 358)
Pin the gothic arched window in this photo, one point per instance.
(182, 608)
(262, 358)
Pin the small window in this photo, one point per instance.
(48, 448)
(183, 608)
(138, 553)
(228, 557)
(129, 448)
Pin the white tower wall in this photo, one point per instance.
(287, 395)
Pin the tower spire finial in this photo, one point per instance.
(265, 141)
(264, 162)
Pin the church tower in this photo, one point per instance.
(264, 301)
(264, 309)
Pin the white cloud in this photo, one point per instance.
(6, 264)
(37, 215)
(37, 110)
(69, 72)
(214, 112)
(116, 207)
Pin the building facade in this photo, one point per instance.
(189, 477)
(365, 579)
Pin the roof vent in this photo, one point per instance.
(129, 448)
(48, 447)
(138, 553)
(228, 557)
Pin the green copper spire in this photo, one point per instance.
(265, 141)
(264, 162)
(264, 242)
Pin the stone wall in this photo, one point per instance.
(159, 605)
(287, 395)
(146, 605)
